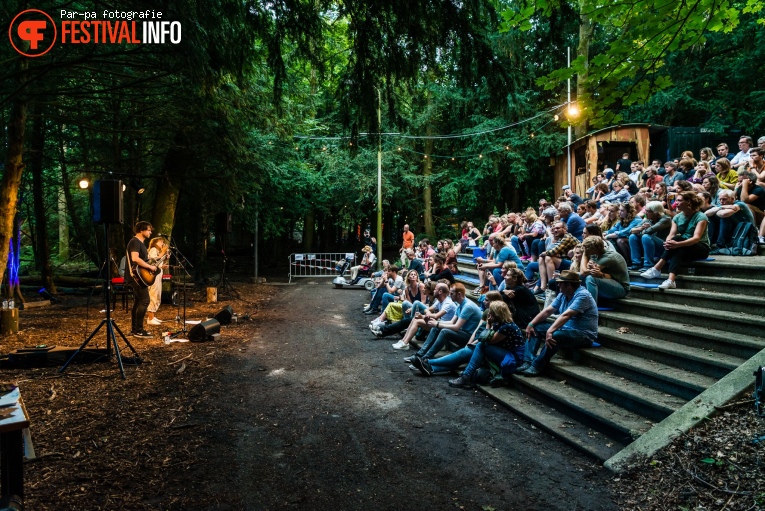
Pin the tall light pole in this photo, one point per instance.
(379, 175)
(568, 106)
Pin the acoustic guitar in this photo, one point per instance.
(144, 276)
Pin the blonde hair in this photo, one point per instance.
(531, 216)
(607, 223)
(501, 311)
(155, 241)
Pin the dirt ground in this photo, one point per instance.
(298, 408)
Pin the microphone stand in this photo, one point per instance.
(182, 263)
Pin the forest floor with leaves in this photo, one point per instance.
(234, 424)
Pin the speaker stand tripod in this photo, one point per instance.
(182, 264)
(108, 322)
(223, 283)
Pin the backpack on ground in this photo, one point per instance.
(744, 241)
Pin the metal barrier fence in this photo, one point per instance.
(318, 265)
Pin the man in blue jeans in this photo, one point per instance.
(575, 327)
(457, 330)
(604, 273)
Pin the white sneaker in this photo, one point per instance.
(377, 323)
(668, 284)
(374, 329)
(651, 273)
(400, 345)
(154, 321)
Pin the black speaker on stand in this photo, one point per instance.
(107, 209)
(224, 315)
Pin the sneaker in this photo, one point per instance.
(410, 359)
(142, 334)
(374, 329)
(154, 321)
(636, 267)
(496, 382)
(668, 284)
(377, 323)
(761, 240)
(371, 311)
(424, 366)
(530, 371)
(461, 382)
(652, 273)
(412, 368)
(523, 367)
(400, 345)
(538, 291)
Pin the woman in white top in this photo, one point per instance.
(157, 251)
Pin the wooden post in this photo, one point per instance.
(9, 321)
(212, 294)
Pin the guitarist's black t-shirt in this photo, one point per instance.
(135, 245)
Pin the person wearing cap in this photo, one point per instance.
(608, 177)
(575, 327)
(367, 262)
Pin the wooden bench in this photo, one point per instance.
(12, 450)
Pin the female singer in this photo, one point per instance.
(157, 254)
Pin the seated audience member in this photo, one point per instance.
(473, 235)
(367, 262)
(575, 327)
(456, 330)
(712, 185)
(601, 190)
(611, 217)
(757, 164)
(535, 231)
(571, 196)
(595, 181)
(502, 342)
(647, 239)
(618, 195)
(502, 253)
(660, 194)
(593, 213)
(742, 156)
(686, 167)
(727, 216)
(415, 263)
(518, 297)
(413, 293)
(702, 170)
(384, 271)
(636, 173)
(604, 272)
(574, 223)
(761, 142)
(427, 295)
(554, 258)
(706, 155)
(638, 202)
(439, 270)
(386, 291)
(687, 239)
(728, 177)
(619, 234)
(748, 191)
(443, 309)
(683, 186)
(452, 361)
(652, 177)
(627, 183)
(672, 176)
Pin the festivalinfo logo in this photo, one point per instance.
(33, 32)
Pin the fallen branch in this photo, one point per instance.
(180, 359)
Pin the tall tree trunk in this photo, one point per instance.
(14, 166)
(168, 188)
(586, 29)
(309, 230)
(63, 224)
(42, 247)
(427, 170)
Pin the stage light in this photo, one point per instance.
(137, 186)
(84, 183)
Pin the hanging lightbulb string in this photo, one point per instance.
(436, 137)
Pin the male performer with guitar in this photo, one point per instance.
(137, 256)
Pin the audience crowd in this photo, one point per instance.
(576, 252)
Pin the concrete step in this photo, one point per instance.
(734, 323)
(610, 419)
(551, 421)
(739, 285)
(727, 266)
(470, 281)
(709, 300)
(627, 394)
(662, 377)
(676, 363)
(720, 341)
